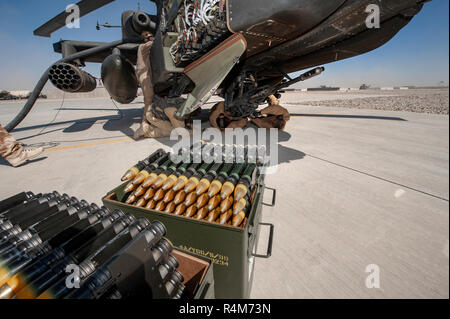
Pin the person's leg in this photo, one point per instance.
(144, 75)
(13, 152)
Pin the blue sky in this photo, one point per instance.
(418, 55)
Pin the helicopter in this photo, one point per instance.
(241, 50)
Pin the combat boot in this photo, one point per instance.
(27, 153)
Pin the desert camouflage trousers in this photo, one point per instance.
(9, 147)
(157, 121)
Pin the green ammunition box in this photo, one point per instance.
(232, 249)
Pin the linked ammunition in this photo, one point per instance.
(172, 285)
(202, 213)
(214, 202)
(179, 197)
(202, 200)
(170, 208)
(213, 215)
(181, 208)
(238, 219)
(141, 202)
(205, 182)
(183, 179)
(241, 205)
(41, 234)
(171, 180)
(225, 217)
(138, 192)
(160, 206)
(150, 180)
(166, 268)
(15, 200)
(191, 211)
(190, 199)
(46, 210)
(131, 199)
(41, 265)
(57, 271)
(160, 194)
(18, 215)
(162, 250)
(164, 176)
(245, 182)
(149, 194)
(216, 185)
(193, 181)
(110, 275)
(146, 173)
(180, 292)
(30, 204)
(169, 197)
(96, 260)
(233, 178)
(134, 171)
(226, 204)
(151, 204)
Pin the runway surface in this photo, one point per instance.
(355, 188)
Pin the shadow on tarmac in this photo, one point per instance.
(366, 117)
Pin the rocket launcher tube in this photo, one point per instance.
(193, 181)
(93, 262)
(52, 275)
(41, 265)
(233, 178)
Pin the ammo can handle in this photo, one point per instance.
(269, 246)
(274, 197)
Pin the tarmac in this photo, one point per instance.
(357, 190)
